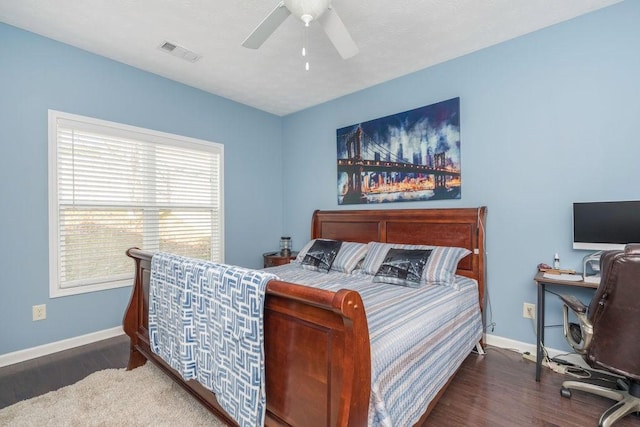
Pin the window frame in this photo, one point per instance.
(118, 130)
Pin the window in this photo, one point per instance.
(114, 186)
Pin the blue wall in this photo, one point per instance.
(37, 74)
(546, 119)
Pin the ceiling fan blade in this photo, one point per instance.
(267, 26)
(338, 33)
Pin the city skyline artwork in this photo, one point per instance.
(408, 156)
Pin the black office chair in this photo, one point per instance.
(608, 332)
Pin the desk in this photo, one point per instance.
(542, 282)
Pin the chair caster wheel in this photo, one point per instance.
(565, 392)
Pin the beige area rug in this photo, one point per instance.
(113, 397)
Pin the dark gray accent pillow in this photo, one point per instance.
(321, 254)
(403, 267)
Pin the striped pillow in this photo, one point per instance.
(350, 255)
(348, 258)
(439, 270)
(303, 252)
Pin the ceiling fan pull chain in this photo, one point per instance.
(305, 42)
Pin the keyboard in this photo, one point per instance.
(567, 277)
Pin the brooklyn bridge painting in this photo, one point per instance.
(409, 156)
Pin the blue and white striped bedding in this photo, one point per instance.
(206, 322)
(419, 337)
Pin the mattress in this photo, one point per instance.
(419, 337)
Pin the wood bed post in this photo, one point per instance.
(358, 391)
(134, 316)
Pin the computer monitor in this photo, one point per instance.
(601, 226)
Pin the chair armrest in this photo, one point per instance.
(574, 304)
(586, 328)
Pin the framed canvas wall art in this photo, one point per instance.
(409, 156)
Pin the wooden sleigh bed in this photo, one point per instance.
(317, 354)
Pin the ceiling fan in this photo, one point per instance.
(307, 11)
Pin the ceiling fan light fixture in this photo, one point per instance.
(312, 8)
(306, 19)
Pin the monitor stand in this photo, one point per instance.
(591, 267)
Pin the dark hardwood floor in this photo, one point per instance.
(38, 376)
(497, 389)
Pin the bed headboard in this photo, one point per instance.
(460, 227)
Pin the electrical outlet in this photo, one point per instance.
(39, 312)
(528, 310)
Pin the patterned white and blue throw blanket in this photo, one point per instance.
(206, 322)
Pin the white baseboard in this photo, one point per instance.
(54, 347)
(523, 347)
(519, 346)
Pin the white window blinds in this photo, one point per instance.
(113, 187)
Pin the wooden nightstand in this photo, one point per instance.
(271, 259)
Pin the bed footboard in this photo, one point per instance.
(317, 355)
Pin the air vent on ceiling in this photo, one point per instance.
(179, 51)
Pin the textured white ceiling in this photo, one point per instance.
(395, 37)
